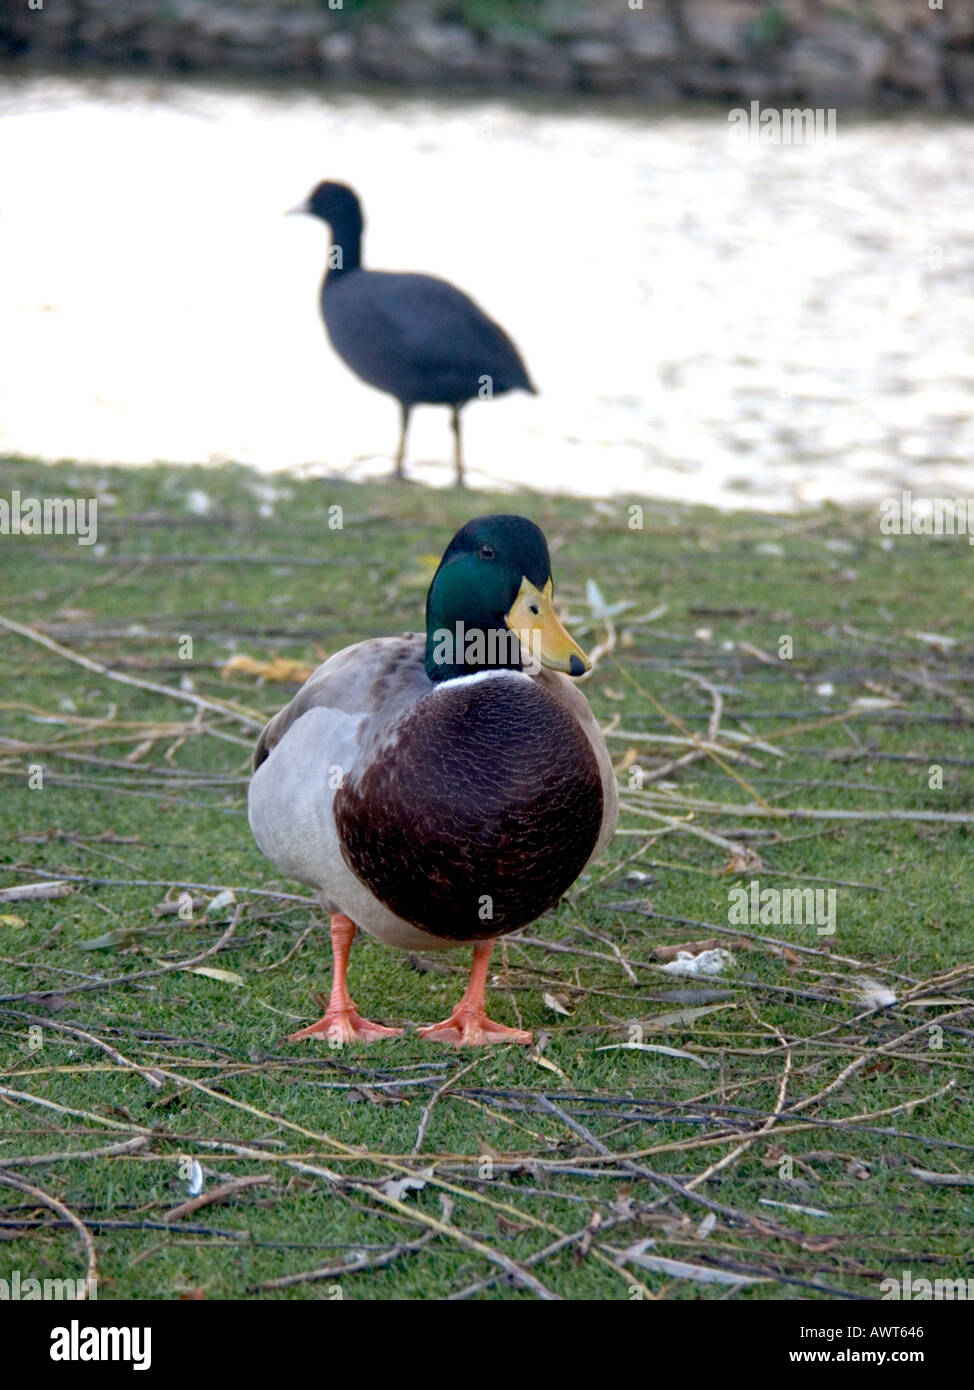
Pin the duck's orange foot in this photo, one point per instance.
(340, 1026)
(472, 1028)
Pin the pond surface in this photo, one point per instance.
(706, 318)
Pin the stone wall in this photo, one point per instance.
(810, 52)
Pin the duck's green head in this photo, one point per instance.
(490, 604)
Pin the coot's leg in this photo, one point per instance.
(404, 410)
(457, 444)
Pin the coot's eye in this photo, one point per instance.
(486, 552)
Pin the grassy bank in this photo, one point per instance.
(796, 1137)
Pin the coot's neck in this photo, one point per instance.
(345, 251)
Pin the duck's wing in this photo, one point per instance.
(336, 723)
(372, 680)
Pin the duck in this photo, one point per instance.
(416, 337)
(440, 789)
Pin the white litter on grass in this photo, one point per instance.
(398, 1188)
(225, 899)
(601, 609)
(657, 1047)
(791, 1206)
(873, 995)
(267, 494)
(655, 614)
(198, 502)
(713, 962)
(706, 1226)
(679, 1269)
(825, 688)
(936, 639)
(195, 1184)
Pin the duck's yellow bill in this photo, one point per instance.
(533, 616)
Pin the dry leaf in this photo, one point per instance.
(124, 936)
(548, 1066)
(630, 756)
(744, 860)
(685, 1018)
(657, 1047)
(503, 1224)
(758, 654)
(279, 668)
(360, 1093)
(140, 750)
(228, 976)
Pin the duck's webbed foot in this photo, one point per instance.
(468, 1025)
(342, 1022)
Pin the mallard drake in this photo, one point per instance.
(416, 337)
(441, 789)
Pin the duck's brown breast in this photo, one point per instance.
(480, 814)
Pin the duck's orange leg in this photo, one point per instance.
(468, 1025)
(342, 1022)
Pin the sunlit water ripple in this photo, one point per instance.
(706, 319)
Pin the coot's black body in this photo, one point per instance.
(416, 337)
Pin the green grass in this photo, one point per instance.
(134, 790)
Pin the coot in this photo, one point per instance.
(416, 337)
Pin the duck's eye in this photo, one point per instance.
(486, 552)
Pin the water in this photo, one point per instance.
(706, 319)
